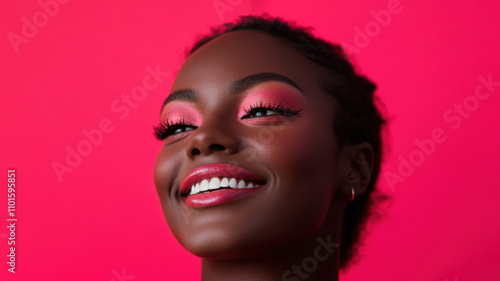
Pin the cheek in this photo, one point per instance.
(165, 168)
(168, 159)
(303, 146)
(307, 159)
(303, 157)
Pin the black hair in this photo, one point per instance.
(358, 119)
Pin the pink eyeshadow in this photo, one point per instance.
(292, 98)
(176, 111)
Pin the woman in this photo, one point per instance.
(271, 152)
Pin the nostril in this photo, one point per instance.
(217, 147)
(196, 151)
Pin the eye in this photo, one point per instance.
(262, 110)
(259, 112)
(181, 129)
(166, 129)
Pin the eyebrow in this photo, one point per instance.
(236, 87)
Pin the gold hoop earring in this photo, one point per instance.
(353, 193)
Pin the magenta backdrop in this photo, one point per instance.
(67, 66)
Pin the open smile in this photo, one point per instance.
(218, 183)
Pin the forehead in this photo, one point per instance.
(237, 54)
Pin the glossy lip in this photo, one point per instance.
(217, 170)
(218, 197)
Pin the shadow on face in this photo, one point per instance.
(249, 100)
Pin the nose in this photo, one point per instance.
(212, 136)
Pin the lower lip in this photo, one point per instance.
(219, 197)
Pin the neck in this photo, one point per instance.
(312, 258)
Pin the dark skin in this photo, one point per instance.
(308, 174)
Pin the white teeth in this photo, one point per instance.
(204, 185)
(241, 184)
(224, 182)
(233, 183)
(214, 183)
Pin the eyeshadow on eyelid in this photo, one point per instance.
(289, 99)
(176, 112)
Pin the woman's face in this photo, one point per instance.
(251, 101)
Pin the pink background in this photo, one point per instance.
(103, 219)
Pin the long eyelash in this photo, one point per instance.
(285, 111)
(166, 128)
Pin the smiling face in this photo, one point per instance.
(249, 100)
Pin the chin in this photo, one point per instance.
(214, 245)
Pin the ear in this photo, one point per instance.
(355, 167)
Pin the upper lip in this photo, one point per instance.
(216, 170)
